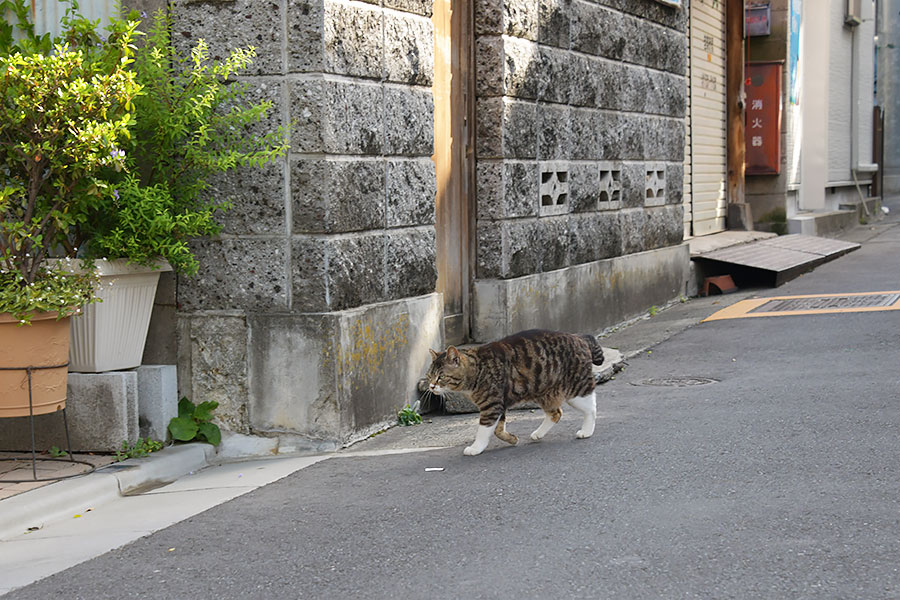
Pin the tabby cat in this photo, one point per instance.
(546, 367)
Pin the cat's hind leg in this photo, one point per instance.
(588, 407)
(550, 419)
(501, 432)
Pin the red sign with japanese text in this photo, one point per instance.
(763, 114)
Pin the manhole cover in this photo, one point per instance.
(828, 302)
(676, 381)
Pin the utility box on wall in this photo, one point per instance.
(758, 20)
(763, 126)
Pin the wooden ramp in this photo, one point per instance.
(773, 261)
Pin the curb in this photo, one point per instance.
(66, 498)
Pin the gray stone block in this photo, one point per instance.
(557, 76)
(101, 410)
(520, 18)
(553, 29)
(228, 25)
(488, 17)
(212, 366)
(455, 403)
(489, 186)
(586, 85)
(489, 127)
(409, 49)
(337, 195)
(305, 45)
(337, 117)
(674, 183)
(419, 7)
(157, 394)
(523, 71)
(411, 190)
(490, 259)
(555, 141)
(585, 143)
(256, 195)
(411, 258)
(520, 189)
(609, 132)
(234, 274)
(353, 39)
(409, 121)
(489, 66)
(554, 242)
(668, 16)
(594, 236)
(584, 187)
(523, 247)
(633, 226)
(597, 30)
(160, 347)
(338, 273)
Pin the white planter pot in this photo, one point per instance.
(110, 335)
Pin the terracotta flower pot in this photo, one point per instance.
(44, 343)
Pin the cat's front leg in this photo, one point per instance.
(482, 435)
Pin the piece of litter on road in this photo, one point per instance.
(76, 516)
(430, 469)
(171, 549)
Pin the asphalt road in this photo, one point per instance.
(781, 479)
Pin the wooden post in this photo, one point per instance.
(739, 216)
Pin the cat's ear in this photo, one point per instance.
(434, 354)
(453, 355)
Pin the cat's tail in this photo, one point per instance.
(596, 350)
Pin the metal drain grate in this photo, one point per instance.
(676, 381)
(828, 303)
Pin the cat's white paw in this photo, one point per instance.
(580, 434)
(536, 435)
(472, 451)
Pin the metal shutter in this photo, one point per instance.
(707, 117)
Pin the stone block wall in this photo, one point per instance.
(345, 221)
(580, 132)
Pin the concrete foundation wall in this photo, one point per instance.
(583, 298)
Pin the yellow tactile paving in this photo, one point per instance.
(742, 309)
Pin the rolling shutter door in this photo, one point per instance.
(707, 118)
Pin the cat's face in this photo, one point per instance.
(447, 370)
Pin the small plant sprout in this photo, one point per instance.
(409, 415)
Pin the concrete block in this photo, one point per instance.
(583, 123)
(489, 66)
(520, 189)
(337, 117)
(338, 273)
(411, 191)
(489, 183)
(419, 7)
(235, 274)
(160, 346)
(227, 25)
(359, 367)
(667, 16)
(101, 409)
(584, 187)
(409, 49)
(588, 297)
(585, 76)
(523, 72)
(157, 387)
(353, 39)
(553, 29)
(212, 366)
(408, 121)
(305, 39)
(410, 256)
(256, 195)
(557, 75)
(555, 133)
(332, 196)
(490, 261)
(520, 18)
(237, 445)
(594, 236)
(597, 30)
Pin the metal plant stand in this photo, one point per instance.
(34, 457)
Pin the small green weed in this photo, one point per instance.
(653, 311)
(56, 452)
(194, 423)
(141, 448)
(408, 416)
